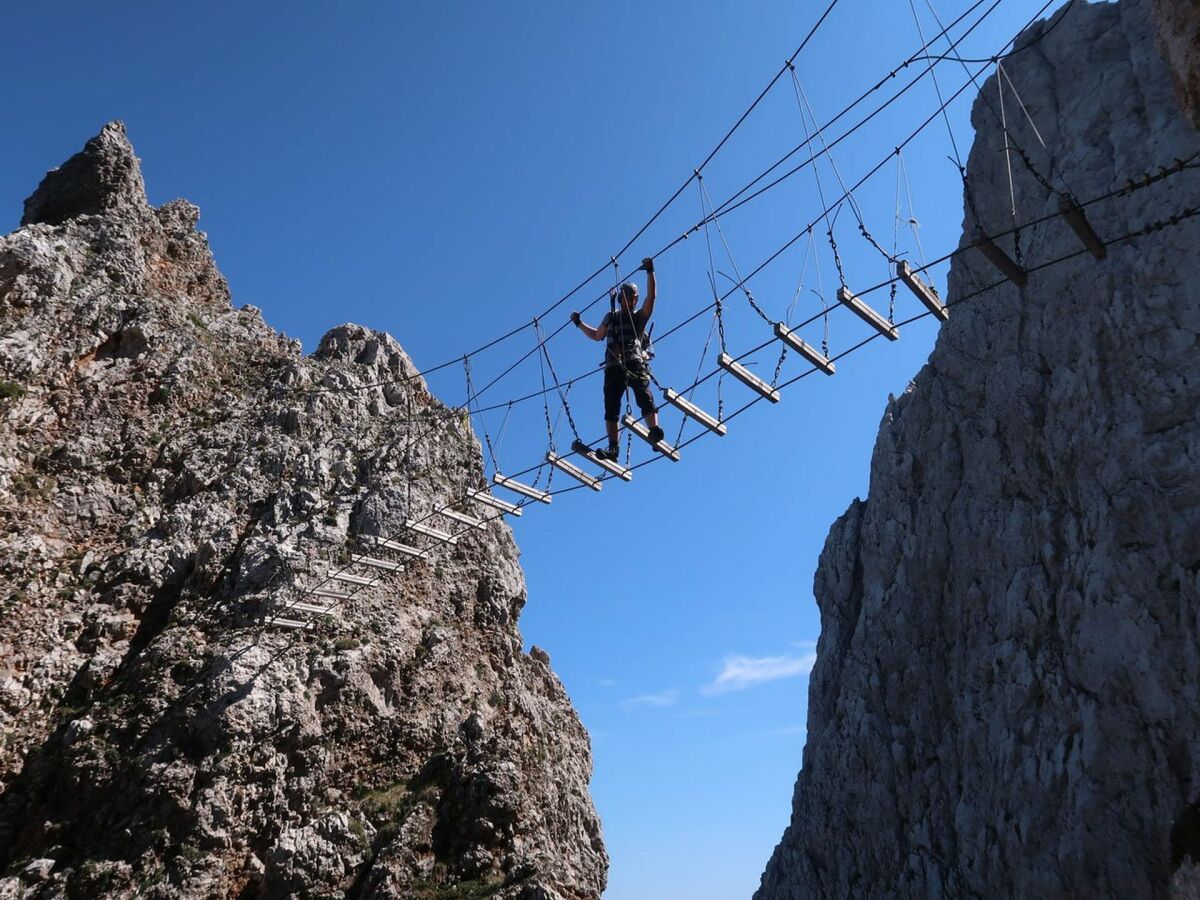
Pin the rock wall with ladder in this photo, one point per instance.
(1006, 700)
(183, 715)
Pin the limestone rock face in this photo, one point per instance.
(104, 177)
(1179, 31)
(1006, 700)
(172, 472)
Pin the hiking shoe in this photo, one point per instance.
(656, 434)
(612, 453)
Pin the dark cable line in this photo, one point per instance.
(741, 119)
(720, 210)
(1157, 225)
(1181, 165)
(1149, 228)
(1130, 186)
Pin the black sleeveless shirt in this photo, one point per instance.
(624, 339)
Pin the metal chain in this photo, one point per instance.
(557, 384)
(537, 331)
(482, 422)
(848, 194)
(741, 282)
(712, 268)
(779, 366)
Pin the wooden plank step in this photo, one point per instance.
(924, 292)
(639, 428)
(513, 485)
(314, 608)
(748, 378)
(688, 408)
(1001, 260)
(329, 594)
(462, 518)
(573, 470)
(429, 531)
(386, 565)
(1074, 215)
(347, 578)
(485, 497)
(398, 547)
(868, 315)
(805, 349)
(609, 465)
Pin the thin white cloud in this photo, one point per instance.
(607, 682)
(658, 700)
(741, 672)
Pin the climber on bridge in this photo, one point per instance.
(626, 357)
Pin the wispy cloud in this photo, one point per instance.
(741, 672)
(607, 682)
(660, 699)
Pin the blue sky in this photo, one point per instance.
(446, 171)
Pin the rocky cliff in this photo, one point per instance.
(173, 474)
(1006, 700)
(1179, 33)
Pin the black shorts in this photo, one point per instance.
(616, 379)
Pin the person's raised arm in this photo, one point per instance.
(651, 288)
(596, 334)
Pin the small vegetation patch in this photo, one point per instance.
(11, 390)
(389, 807)
(389, 801)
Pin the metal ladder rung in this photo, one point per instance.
(607, 465)
(573, 470)
(516, 486)
(868, 315)
(805, 349)
(429, 531)
(748, 378)
(925, 293)
(688, 408)
(291, 624)
(639, 428)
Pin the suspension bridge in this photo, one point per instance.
(838, 215)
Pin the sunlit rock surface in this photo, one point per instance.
(1006, 701)
(171, 472)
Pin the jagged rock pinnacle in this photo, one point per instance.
(104, 177)
(205, 476)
